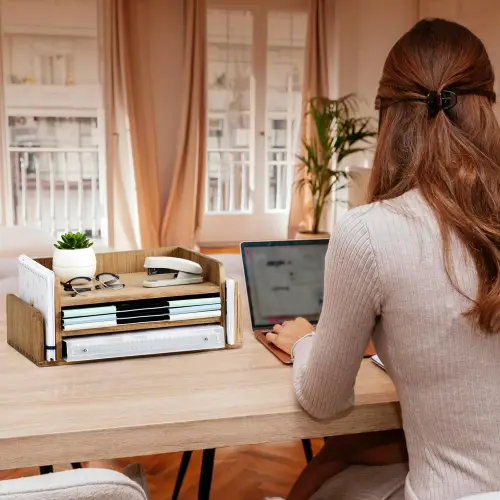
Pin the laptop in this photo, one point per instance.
(284, 280)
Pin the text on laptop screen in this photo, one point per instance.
(285, 281)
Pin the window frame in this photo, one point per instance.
(259, 223)
(259, 135)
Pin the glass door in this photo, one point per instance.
(255, 66)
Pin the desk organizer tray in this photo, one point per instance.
(134, 308)
(143, 343)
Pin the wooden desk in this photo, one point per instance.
(171, 403)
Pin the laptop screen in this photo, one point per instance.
(284, 280)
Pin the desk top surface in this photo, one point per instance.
(169, 403)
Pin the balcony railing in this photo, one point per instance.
(280, 180)
(58, 190)
(228, 181)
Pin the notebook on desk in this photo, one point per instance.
(284, 280)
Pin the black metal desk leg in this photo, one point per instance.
(46, 469)
(186, 457)
(308, 452)
(206, 473)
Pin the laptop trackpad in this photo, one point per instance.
(281, 355)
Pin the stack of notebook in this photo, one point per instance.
(140, 311)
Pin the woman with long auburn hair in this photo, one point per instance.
(418, 271)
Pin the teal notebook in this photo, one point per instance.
(88, 311)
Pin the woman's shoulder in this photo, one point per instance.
(386, 219)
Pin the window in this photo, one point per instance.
(54, 168)
(255, 71)
(230, 109)
(56, 172)
(286, 38)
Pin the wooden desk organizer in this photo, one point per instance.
(25, 325)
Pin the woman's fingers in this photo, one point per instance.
(277, 328)
(280, 341)
(272, 337)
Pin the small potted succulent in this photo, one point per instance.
(73, 257)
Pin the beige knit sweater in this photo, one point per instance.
(385, 278)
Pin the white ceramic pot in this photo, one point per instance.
(312, 236)
(68, 264)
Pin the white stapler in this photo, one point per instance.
(172, 271)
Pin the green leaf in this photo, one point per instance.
(336, 132)
(73, 241)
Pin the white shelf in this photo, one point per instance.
(53, 96)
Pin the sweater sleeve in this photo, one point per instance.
(326, 365)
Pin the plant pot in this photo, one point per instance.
(309, 235)
(68, 264)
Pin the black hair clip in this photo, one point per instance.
(442, 100)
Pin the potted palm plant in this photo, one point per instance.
(336, 133)
(73, 257)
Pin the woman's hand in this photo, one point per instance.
(284, 336)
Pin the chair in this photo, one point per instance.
(81, 484)
(494, 495)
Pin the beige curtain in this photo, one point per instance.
(185, 204)
(133, 47)
(315, 84)
(122, 204)
(159, 47)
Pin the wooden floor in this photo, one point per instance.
(220, 250)
(244, 473)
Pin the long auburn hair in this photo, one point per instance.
(451, 157)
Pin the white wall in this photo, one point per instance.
(365, 31)
(480, 16)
